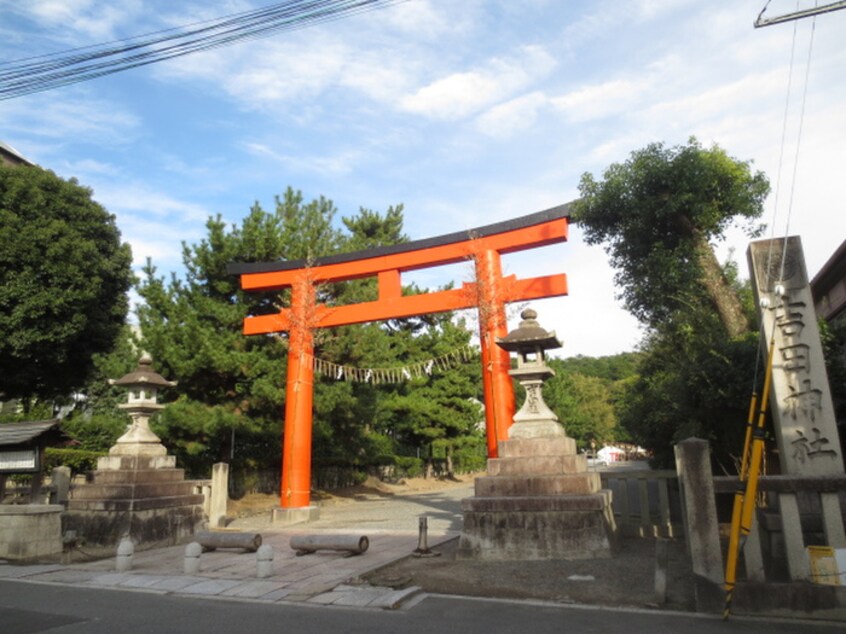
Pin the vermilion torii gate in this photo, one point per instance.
(489, 293)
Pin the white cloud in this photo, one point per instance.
(127, 198)
(419, 19)
(461, 94)
(341, 162)
(94, 20)
(602, 100)
(76, 116)
(506, 119)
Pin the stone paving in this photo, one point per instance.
(321, 578)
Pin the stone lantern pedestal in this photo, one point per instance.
(136, 491)
(538, 500)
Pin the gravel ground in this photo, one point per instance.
(627, 579)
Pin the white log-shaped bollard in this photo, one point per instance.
(125, 552)
(264, 561)
(192, 558)
(350, 544)
(212, 540)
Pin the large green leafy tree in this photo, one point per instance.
(64, 277)
(657, 214)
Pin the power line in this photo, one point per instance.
(45, 72)
(797, 15)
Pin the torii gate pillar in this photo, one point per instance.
(496, 362)
(296, 449)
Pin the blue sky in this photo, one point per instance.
(466, 112)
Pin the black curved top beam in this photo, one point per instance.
(554, 213)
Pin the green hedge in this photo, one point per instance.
(79, 460)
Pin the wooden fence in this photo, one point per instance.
(646, 503)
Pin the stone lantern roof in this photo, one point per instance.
(529, 336)
(143, 375)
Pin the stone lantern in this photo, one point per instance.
(136, 492)
(538, 501)
(529, 341)
(142, 385)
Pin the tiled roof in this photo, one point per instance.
(17, 433)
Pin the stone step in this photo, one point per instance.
(137, 504)
(521, 486)
(599, 501)
(125, 491)
(118, 462)
(123, 476)
(530, 447)
(538, 465)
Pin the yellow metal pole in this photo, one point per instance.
(734, 534)
(744, 501)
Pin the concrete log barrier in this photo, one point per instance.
(210, 540)
(350, 544)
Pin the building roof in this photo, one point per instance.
(829, 285)
(8, 154)
(27, 431)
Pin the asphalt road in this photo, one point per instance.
(29, 608)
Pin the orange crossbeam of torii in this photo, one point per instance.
(490, 292)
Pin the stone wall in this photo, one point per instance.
(29, 532)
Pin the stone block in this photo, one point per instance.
(286, 516)
(529, 447)
(529, 535)
(135, 463)
(520, 486)
(129, 490)
(533, 504)
(538, 465)
(29, 532)
(154, 526)
(111, 476)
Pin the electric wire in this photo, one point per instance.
(798, 145)
(745, 503)
(44, 72)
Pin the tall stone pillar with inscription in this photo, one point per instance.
(800, 401)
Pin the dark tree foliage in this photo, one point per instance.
(64, 277)
(656, 215)
(584, 392)
(692, 381)
(833, 337)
